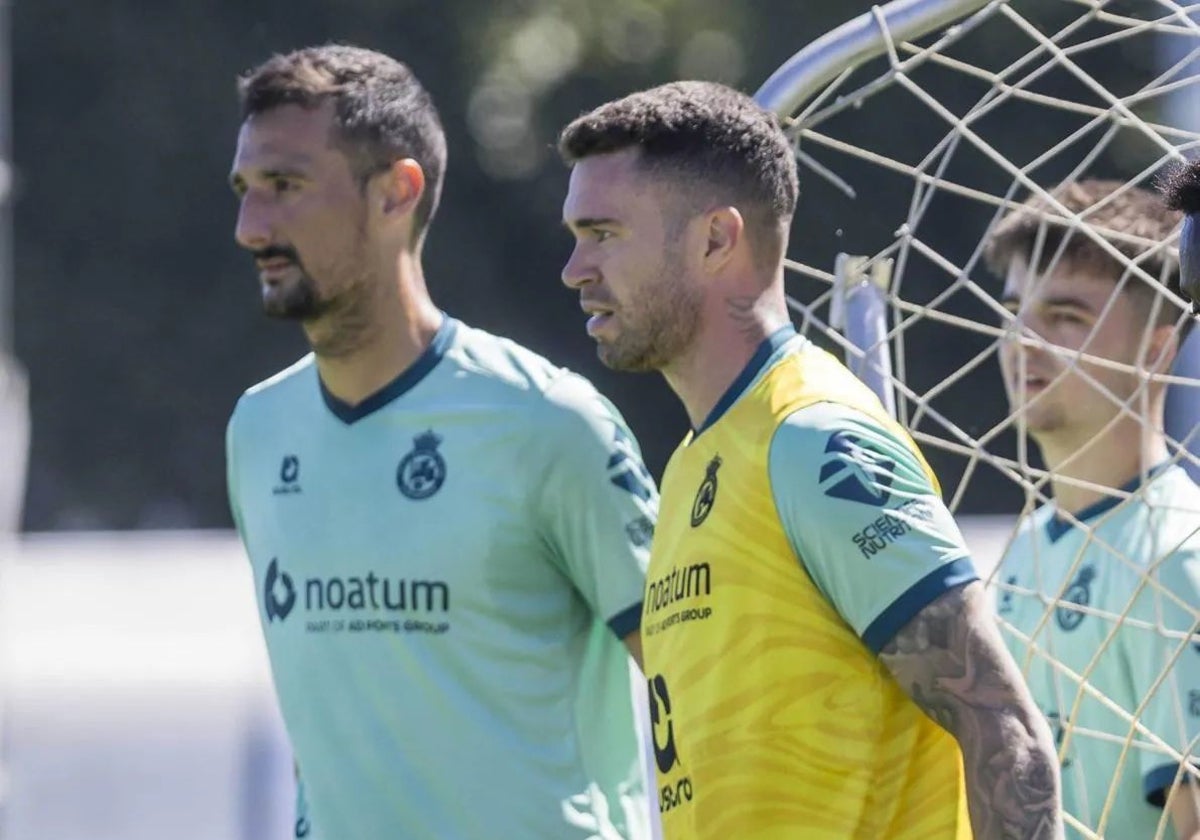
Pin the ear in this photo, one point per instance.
(403, 184)
(725, 229)
(1162, 348)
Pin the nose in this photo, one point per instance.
(253, 228)
(1024, 341)
(577, 273)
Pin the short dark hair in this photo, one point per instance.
(1133, 220)
(1180, 188)
(705, 136)
(382, 112)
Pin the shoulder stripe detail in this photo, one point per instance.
(1156, 783)
(626, 621)
(891, 621)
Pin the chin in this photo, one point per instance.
(291, 305)
(1037, 422)
(614, 359)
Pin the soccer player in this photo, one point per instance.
(821, 657)
(448, 534)
(1099, 586)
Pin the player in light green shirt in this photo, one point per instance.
(1099, 590)
(448, 533)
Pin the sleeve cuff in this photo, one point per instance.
(1156, 782)
(626, 621)
(918, 596)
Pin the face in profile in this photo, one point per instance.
(301, 212)
(629, 263)
(1062, 312)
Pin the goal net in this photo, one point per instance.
(919, 127)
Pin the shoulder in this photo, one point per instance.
(286, 390)
(830, 432)
(1172, 517)
(556, 399)
(1023, 536)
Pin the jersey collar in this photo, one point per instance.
(1057, 527)
(764, 352)
(403, 383)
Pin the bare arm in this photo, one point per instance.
(1183, 802)
(634, 642)
(951, 661)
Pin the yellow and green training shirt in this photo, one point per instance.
(800, 528)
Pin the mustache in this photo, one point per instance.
(276, 251)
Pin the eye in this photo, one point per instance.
(279, 186)
(1065, 317)
(600, 235)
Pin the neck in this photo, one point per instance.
(359, 352)
(730, 331)
(1087, 471)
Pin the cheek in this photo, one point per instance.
(1006, 357)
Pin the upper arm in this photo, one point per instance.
(597, 501)
(633, 642)
(950, 659)
(1184, 807)
(864, 515)
(231, 473)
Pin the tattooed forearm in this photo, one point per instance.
(952, 662)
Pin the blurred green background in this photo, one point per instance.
(138, 319)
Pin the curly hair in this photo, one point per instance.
(1180, 188)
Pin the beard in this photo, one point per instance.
(294, 299)
(660, 323)
(297, 302)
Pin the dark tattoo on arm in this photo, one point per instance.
(952, 662)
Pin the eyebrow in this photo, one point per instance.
(291, 170)
(589, 222)
(1070, 301)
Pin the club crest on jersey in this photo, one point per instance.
(422, 472)
(706, 496)
(1078, 593)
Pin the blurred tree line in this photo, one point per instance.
(138, 317)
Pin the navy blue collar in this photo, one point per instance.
(764, 352)
(1057, 527)
(406, 381)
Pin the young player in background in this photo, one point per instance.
(1105, 579)
(822, 660)
(448, 534)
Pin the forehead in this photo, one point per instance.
(606, 186)
(287, 132)
(1067, 279)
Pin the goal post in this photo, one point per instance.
(921, 125)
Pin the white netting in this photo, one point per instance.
(912, 160)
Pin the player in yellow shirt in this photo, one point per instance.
(821, 658)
